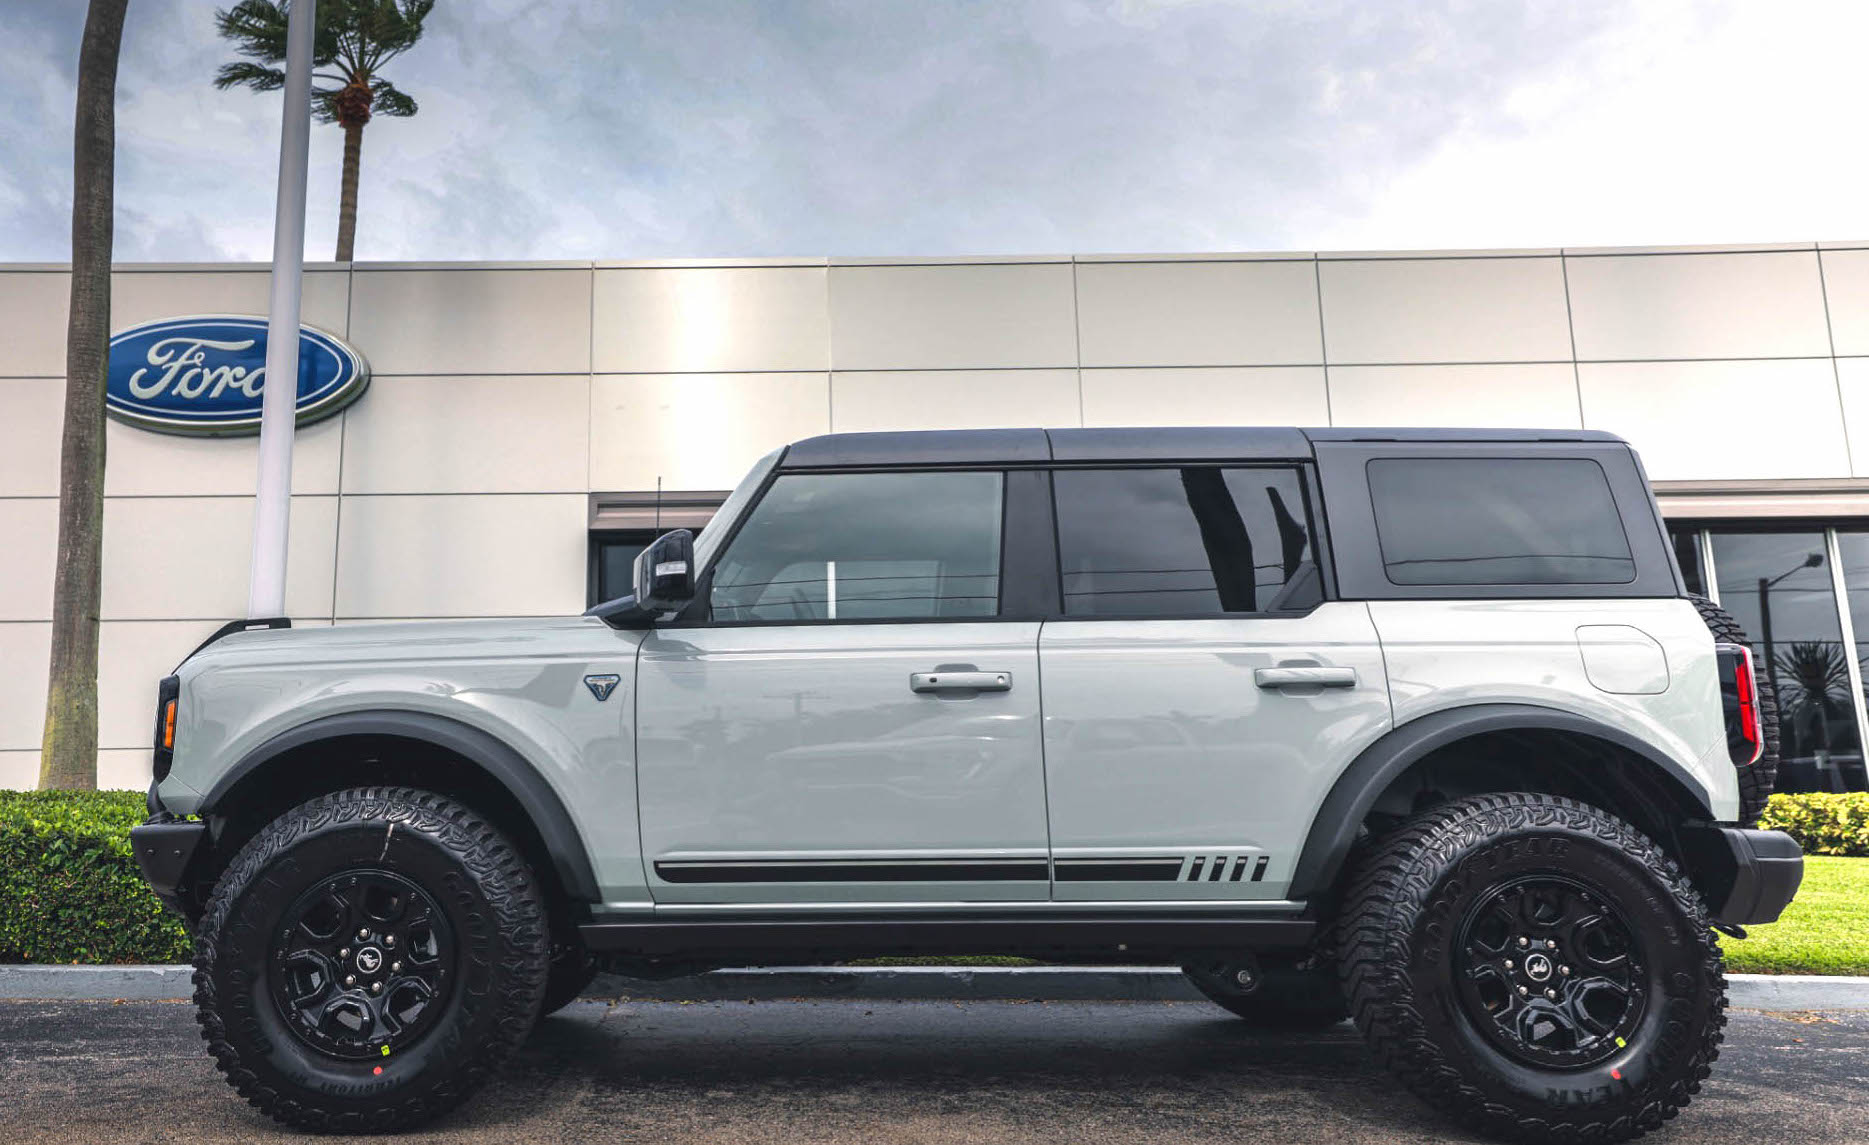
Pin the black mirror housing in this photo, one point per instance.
(664, 573)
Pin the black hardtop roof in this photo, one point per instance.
(1192, 443)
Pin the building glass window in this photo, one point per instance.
(613, 557)
(839, 546)
(1853, 555)
(1686, 544)
(1183, 542)
(1781, 589)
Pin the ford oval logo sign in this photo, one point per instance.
(203, 374)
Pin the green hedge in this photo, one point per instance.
(1822, 824)
(69, 889)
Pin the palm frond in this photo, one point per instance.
(256, 27)
(246, 73)
(389, 101)
(352, 40)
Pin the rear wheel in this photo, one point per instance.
(1534, 967)
(1290, 992)
(369, 959)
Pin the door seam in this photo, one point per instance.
(1044, 764)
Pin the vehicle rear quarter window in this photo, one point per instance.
(1187, 541)
(865, 546)
(1497, 521)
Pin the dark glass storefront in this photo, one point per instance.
(1802, 594)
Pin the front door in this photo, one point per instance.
(1200, 694)
(845, 719)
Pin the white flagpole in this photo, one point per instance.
(266, 592)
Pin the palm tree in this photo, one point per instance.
(68, 752)
(1814, 683)
(354, 39)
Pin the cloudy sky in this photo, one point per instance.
(691, 128)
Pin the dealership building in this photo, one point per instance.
(528, 426)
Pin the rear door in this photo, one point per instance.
(851, 720)
(1200, 694)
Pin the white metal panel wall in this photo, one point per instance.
(506, 393)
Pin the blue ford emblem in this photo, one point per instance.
(203, 374)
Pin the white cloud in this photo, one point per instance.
(715, 127)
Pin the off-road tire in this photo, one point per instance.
(1294, 993)
(486, 894)
(1411, 898)
(1755, 782)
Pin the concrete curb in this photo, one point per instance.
(900, 983)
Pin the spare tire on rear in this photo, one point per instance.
(1756, 781)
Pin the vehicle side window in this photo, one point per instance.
(1183, 541)
(865, 546)
(1482, 520)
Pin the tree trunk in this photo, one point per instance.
(347, 198)
(68, 753)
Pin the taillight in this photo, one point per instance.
(1739, 697)
(168, 699)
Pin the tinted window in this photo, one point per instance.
(865, 546)
(1498, 521)
(1154, 542)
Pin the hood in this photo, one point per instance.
(428, 640)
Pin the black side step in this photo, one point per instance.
(884, 934)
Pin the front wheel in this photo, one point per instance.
(369, 959)
(1534, 967)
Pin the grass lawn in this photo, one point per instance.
(1825, 930)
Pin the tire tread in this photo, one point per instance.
(502, 877)
(1395, 883)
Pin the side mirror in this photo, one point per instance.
(664, 573)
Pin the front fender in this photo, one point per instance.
(528, 788)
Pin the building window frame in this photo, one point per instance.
(1839, 587)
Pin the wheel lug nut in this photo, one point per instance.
(344, 953)
(363, 935)
(1551, 994)
(1564, 970)
(390, 940)
(1550, 944)
(377, 988)
(350, 979)
(396, 968)
(1508, 964)
(1524, 942)
(1523, 990)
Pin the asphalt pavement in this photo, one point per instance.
(881, 1072)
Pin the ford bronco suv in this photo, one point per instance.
(1416, 728)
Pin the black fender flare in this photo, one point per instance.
(498, 759)
(1340, 815)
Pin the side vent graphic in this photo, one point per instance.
(1163, 868)
(1225, 869)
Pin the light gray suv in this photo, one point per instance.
(1418, 728)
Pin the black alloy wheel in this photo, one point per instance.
(1551, 973)
(363, 964)
(1533, 966)
(369, 959)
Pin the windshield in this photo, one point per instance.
(730, 510)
